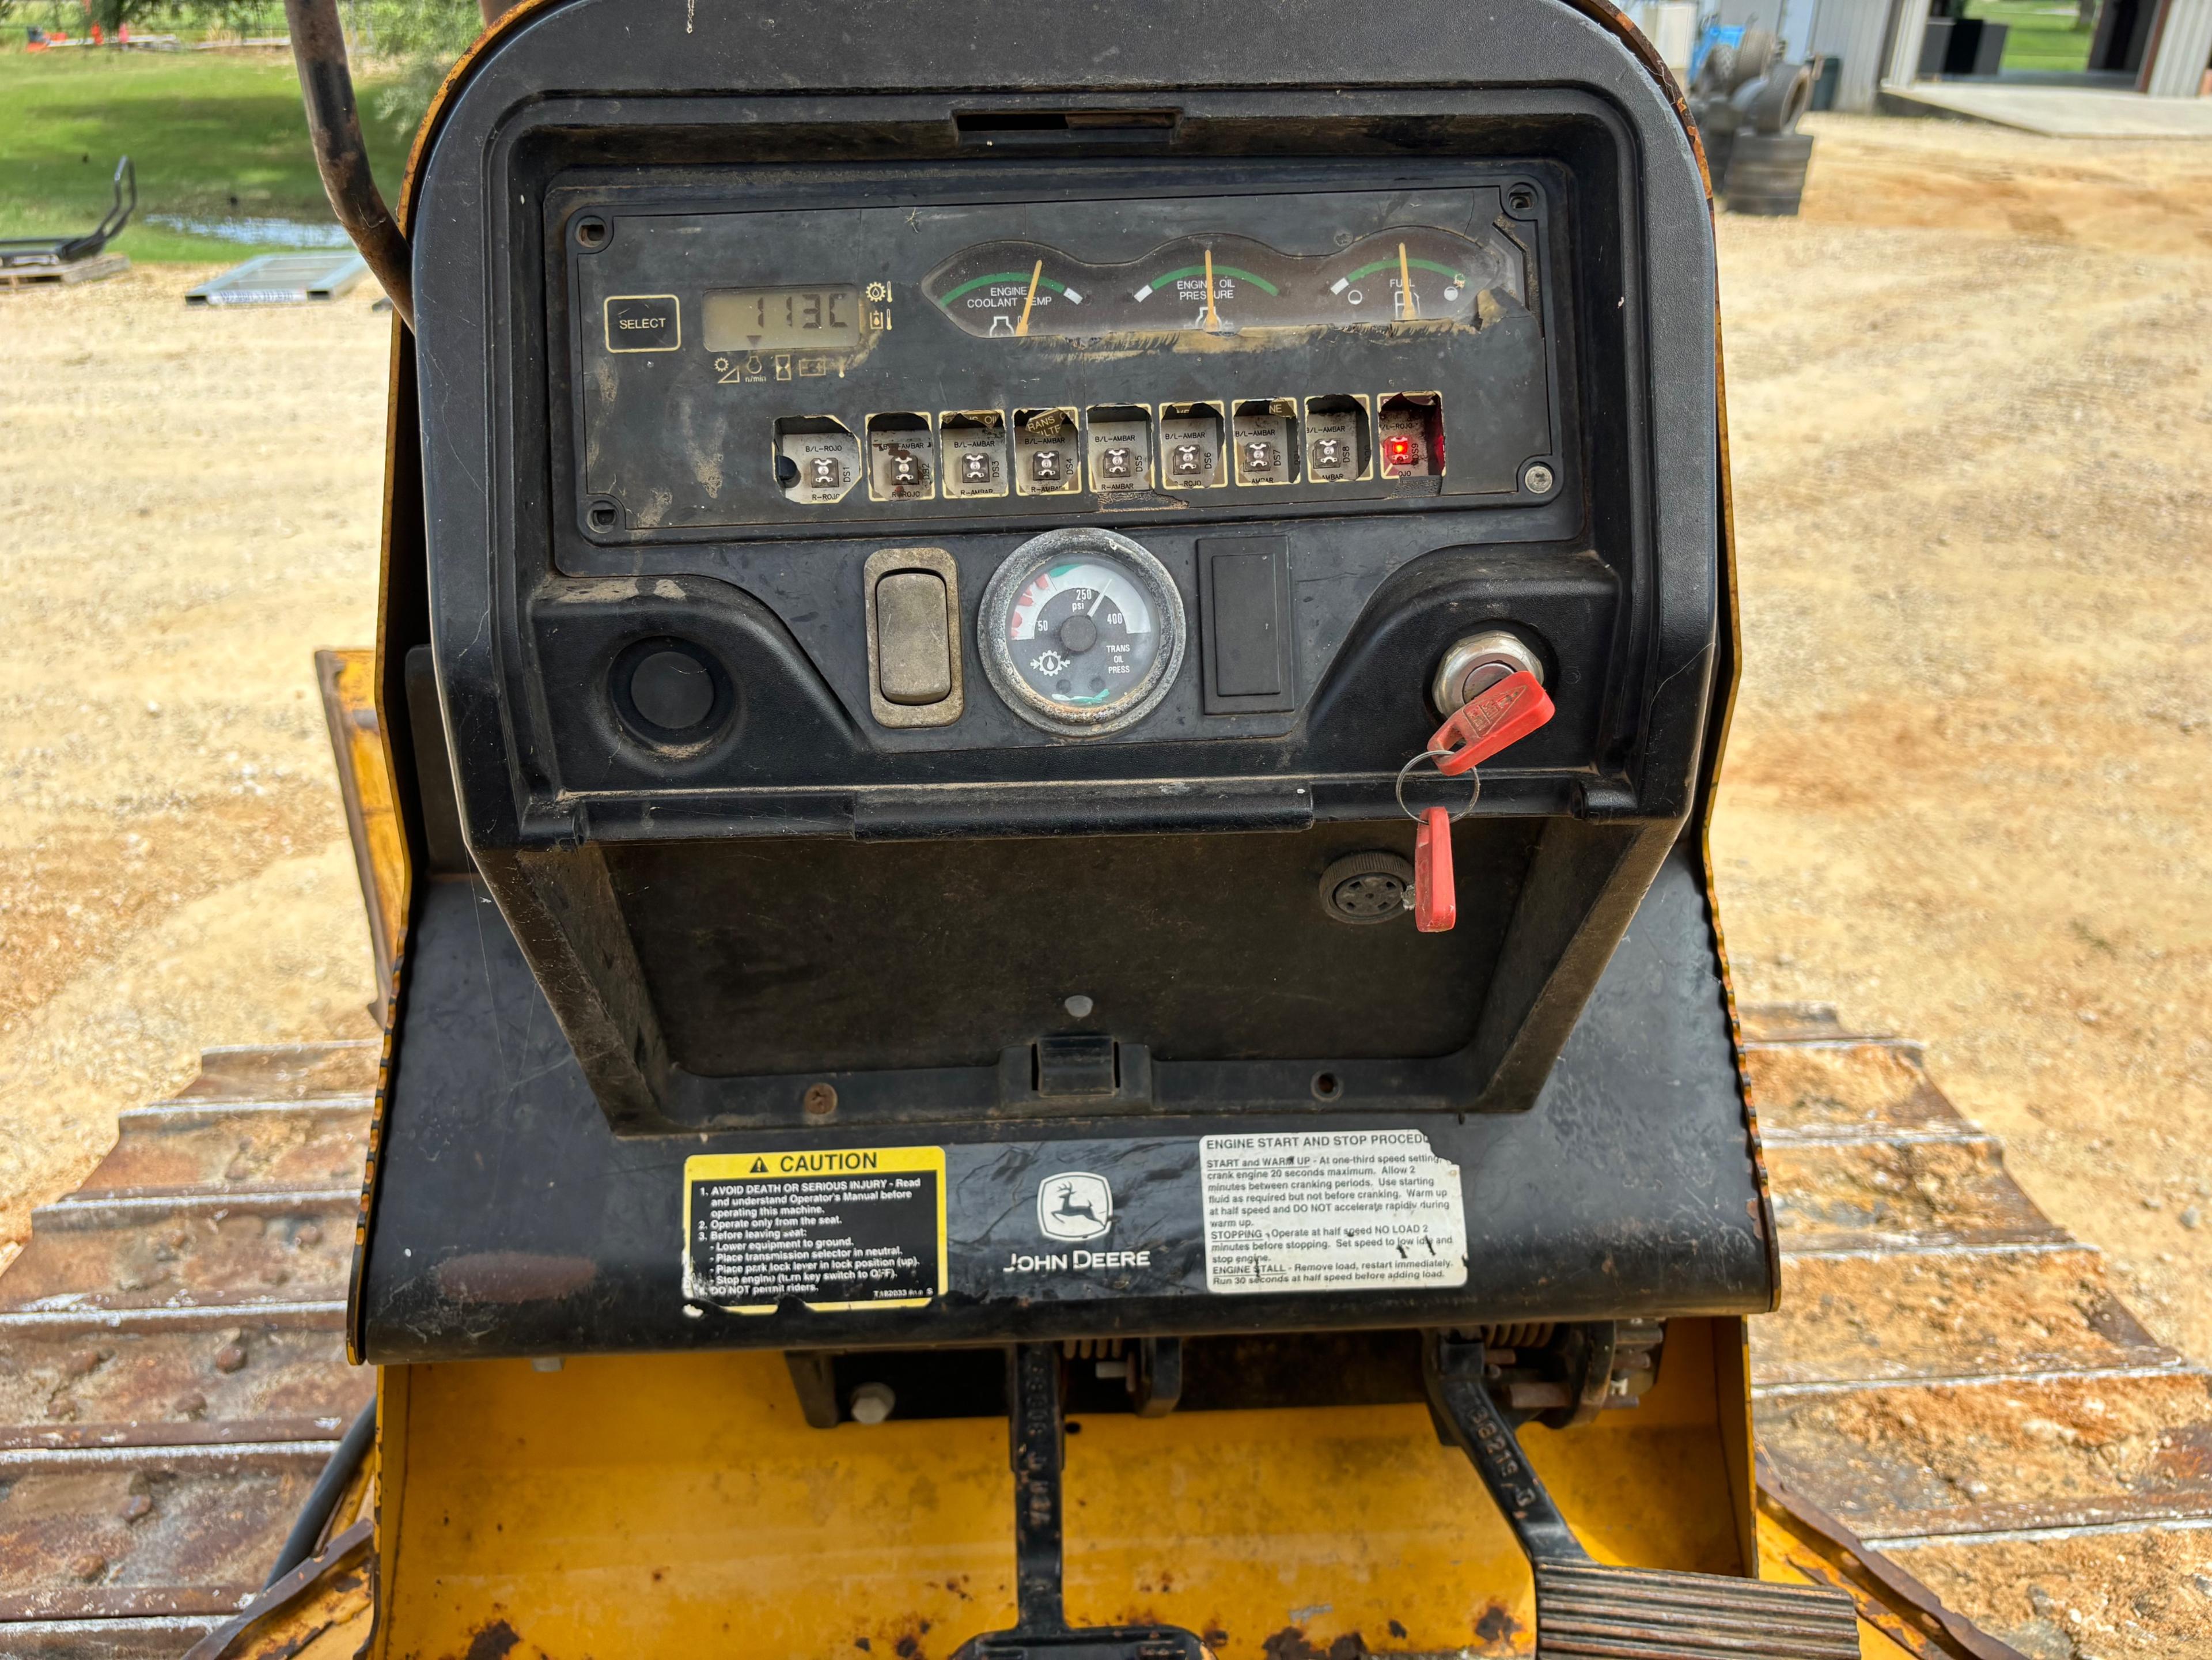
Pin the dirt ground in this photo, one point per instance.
(189, 506)
(1966, 798)
(1968, 795)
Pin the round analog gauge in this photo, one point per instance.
(1084, 631)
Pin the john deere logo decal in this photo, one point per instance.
(1075, 1205)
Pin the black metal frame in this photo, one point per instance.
(40, 253)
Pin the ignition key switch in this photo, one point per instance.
(1476, 662)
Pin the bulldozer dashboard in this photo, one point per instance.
(933, 601)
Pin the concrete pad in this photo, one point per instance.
(2056, 112)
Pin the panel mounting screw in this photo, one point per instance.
(592, 232)
(819, 1101)
(1538, 479)
(603, 514)
(1521, 198)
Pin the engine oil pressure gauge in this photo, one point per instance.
(1083, 631)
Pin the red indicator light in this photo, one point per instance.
(1398, 451)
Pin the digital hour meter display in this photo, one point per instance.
(816, 318)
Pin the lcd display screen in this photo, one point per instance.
(817, 317)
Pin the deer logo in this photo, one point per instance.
(1075, 1205)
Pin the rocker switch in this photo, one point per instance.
(914, 638)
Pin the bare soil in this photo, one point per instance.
(190, 506)
(1966, 794)
(1967, 790)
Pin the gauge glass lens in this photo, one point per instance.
(1415, 276)
(1011, 291)
(1230, 284)
(1213, 285)
(1082, 633)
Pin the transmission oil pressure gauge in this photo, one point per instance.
(1083, 631)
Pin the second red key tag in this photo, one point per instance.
(1436, 903)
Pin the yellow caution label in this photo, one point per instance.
(834, 1229)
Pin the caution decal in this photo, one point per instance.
(860, 1228)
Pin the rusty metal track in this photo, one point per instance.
(172, 1368)
(1951, 1377)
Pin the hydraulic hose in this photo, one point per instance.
(329, 1487)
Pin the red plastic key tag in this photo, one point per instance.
(1435, 904)
(1505, 714)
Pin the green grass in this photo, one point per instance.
(212, 135)
(2042, 34)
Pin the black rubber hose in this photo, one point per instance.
(329, 1487)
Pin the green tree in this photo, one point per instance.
(419, 39)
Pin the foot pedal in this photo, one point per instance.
(1588, 1611)
(1646, 1614)
(1041, 1630)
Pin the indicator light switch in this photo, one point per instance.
(1046, 460)
(1193, 437)
(914, 657)
(1265, 447)
(914, 637)
(1120, 448)
(972, 451)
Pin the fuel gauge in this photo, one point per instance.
(1418, 275)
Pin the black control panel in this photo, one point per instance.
(1140, 353)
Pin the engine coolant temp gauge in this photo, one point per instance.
(1083, 632)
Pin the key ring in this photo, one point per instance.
(1474, 777)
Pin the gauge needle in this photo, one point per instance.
(1095, 603)
(1406, 281)
(1035, 276)
(1213, 317)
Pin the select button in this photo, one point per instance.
(644, 322)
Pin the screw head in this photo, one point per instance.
(1538, 479)
(819, 1101)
